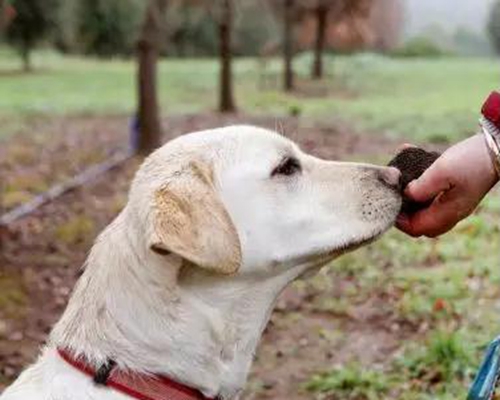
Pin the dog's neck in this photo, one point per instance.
(151, 315)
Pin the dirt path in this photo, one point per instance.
(41, 257)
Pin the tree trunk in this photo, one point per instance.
(321, 24)
(288, 45)
(226, 100)
(148, 48)
(26, 58)
(3, 16)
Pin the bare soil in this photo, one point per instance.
(41, 255)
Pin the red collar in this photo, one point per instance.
(139, 386)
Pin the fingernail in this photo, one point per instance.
(408, 188)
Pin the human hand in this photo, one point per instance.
(455, 183)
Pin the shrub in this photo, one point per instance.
(419, 47)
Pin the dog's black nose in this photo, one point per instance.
(391, 177)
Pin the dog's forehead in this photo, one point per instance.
(257, 142)
(229, 142)
(218, 149)
(243, 135)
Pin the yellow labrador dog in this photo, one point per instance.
(178, 288)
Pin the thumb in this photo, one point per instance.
(432, 182)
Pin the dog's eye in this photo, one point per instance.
(289, 166)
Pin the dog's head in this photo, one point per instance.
(246, 200)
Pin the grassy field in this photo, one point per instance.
(436, 300)
(445, 292)
(426, 100)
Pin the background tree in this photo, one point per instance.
(226, 96)
(387, 24)
(494, 25)
(288, 44)
(105, 28)
(296, 13)
(3, 4)
(33, 21)
(192, 31)
(148, 49)
(321, 11)
(328, 12)
(222, 12)
(321, 14)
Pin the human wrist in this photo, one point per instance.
(490, 128)
(492, 142)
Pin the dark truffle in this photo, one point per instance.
(412, 162)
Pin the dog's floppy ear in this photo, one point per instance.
(190, 220)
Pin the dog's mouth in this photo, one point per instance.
(359, 243)
(363, 241)
(328, 255)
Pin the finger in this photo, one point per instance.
(403, 223)
(405, 146)
(439, 218)
(433, 181)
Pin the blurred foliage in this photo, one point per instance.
(192, 30)
(104, 28)
(469, 43)
(494, 25)
(255, 28)
(108, 28)
(419, 47)
(34, 19)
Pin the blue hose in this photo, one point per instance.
(484, 385)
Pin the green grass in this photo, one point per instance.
(424, 100)
(13, 295)
(444, 291)
(442, 366)
(351, 382)
(450, 286)
(429, 100)
(75, 230)
(64, 85)
(436, 369)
